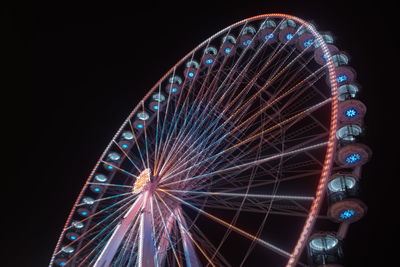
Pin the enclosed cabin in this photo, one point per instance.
(288, 32)
(210, 55)
(343, 198)
(268, 32)
(325, 250)
(247, 37)
(228, 45)
(191, 70)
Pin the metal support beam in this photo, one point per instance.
(147, 251)
(112, 245)
(190, 253)
(165, 239)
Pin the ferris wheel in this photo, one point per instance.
(230, 159)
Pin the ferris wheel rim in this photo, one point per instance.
(316, 205)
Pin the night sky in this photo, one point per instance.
(77, 70)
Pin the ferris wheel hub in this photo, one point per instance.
(142, 182)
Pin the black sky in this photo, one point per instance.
(78, 69)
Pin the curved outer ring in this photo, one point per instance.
(316, 205)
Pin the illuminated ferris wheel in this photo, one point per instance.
(228, 159)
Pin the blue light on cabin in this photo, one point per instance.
(341, 78)
(269, 36)
(353, 158)
(309, 42)
(246, 42)
(347, 214)
(350, 113)
(289, 36)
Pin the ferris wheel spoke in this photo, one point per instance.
(99, 212)
(261, 133)
(102, 241)
(246, 165)
(106, 198)
(265, 196)
(146, 141)
(234, 228)
(225, 177)
(126, 155)
(229, 87)
(166, 238)
(100, 232)
(118, 168)
(111, 185)
(215, 251)
(137, 143)
(187, 239)
(268, 83)
(198, 103)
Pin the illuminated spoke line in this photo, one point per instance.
(203, 150)
(199, 99)
(168, 234)
(208, 128)
(137, 143)
(293, 118)
(276, 98)
(101, 211)
(244, 166)
(186, 132)
(267, 63)
(126, 154)
(96, 247)
(236, 229)
(265, 86)
(106, 198)
(240, 75)
(252, 206)
(163, 123)
(111, 185)
(128, 242)
(216, 253)
(169, 133)
(270, 171)
(251, 138)
(178, 220)
(227, 177)
(132, 258)
(159, 103)
(177, 161)
(267, 105)
(134, 225)
(97, 235)
(264, 106)
(102, 221)
(227, 144)
(145, 138)
(118, 168)
(187, 141)
(266, 182)
(197, 245)
(289, 152)
(282, 197)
